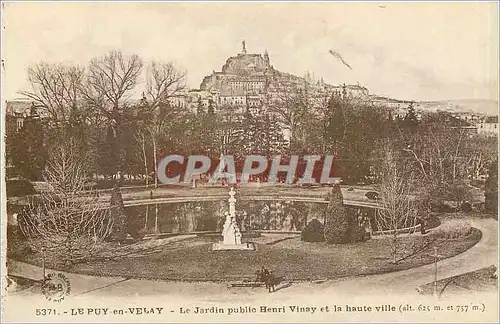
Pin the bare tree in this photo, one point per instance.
(288, 102)
(480, 151)
(140, 138)
(229, 129)
(163, 82)
(109, 83)
(399, 207)
(55, 88)
(110, 79)
(62, 222)
(298, 105)
(440, 156)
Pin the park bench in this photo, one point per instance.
(243, 281)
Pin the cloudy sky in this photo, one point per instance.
(417, 51)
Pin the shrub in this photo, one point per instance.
(135, 228)
(466, 207)
(355, 232)
(313, 232)
(336, 218)
(372, 195)
(431, 221)
(18, 246)
(441, 207)
(19, 188)
(454, 229)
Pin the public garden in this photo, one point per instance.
(178, 243)
(84, 195)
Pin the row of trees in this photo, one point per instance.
(92, 105)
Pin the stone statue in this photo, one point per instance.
(237, 236)
(244, 49)
(231, 232)
(230, 226)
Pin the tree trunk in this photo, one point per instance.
(455, 157)
(144, 156)
(156, 219)
(395, 248)
(477, 167)
(155, 161)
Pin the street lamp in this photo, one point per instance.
(436, 257)
(43, 265)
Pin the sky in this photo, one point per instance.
(411, 51)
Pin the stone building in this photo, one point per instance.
(16, 111)
(243, 81)
(250, 81)
(488, 126)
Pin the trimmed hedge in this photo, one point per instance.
(19, 188)
(336, 226)
(313, 232)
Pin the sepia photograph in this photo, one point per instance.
(249, 162)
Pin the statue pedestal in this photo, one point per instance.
(231, 232)
(231, 235)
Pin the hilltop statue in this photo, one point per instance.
(244, 48)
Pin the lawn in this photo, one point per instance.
(192, 259)
(481, 280)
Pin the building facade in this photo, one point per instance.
(248, 81)
(488, 126)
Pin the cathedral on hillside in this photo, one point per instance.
(249, 81)
(243, 80)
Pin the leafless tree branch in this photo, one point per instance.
(60, 222)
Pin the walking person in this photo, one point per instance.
(264, 273)
(271, 282)
(257, 276)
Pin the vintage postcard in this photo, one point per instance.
(249, 162)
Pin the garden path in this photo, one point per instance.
(405, 282)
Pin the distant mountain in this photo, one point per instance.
(480, 106)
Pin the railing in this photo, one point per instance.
(411, 229)
(321, 200)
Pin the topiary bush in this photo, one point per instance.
(313, 232)
(336, 226)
